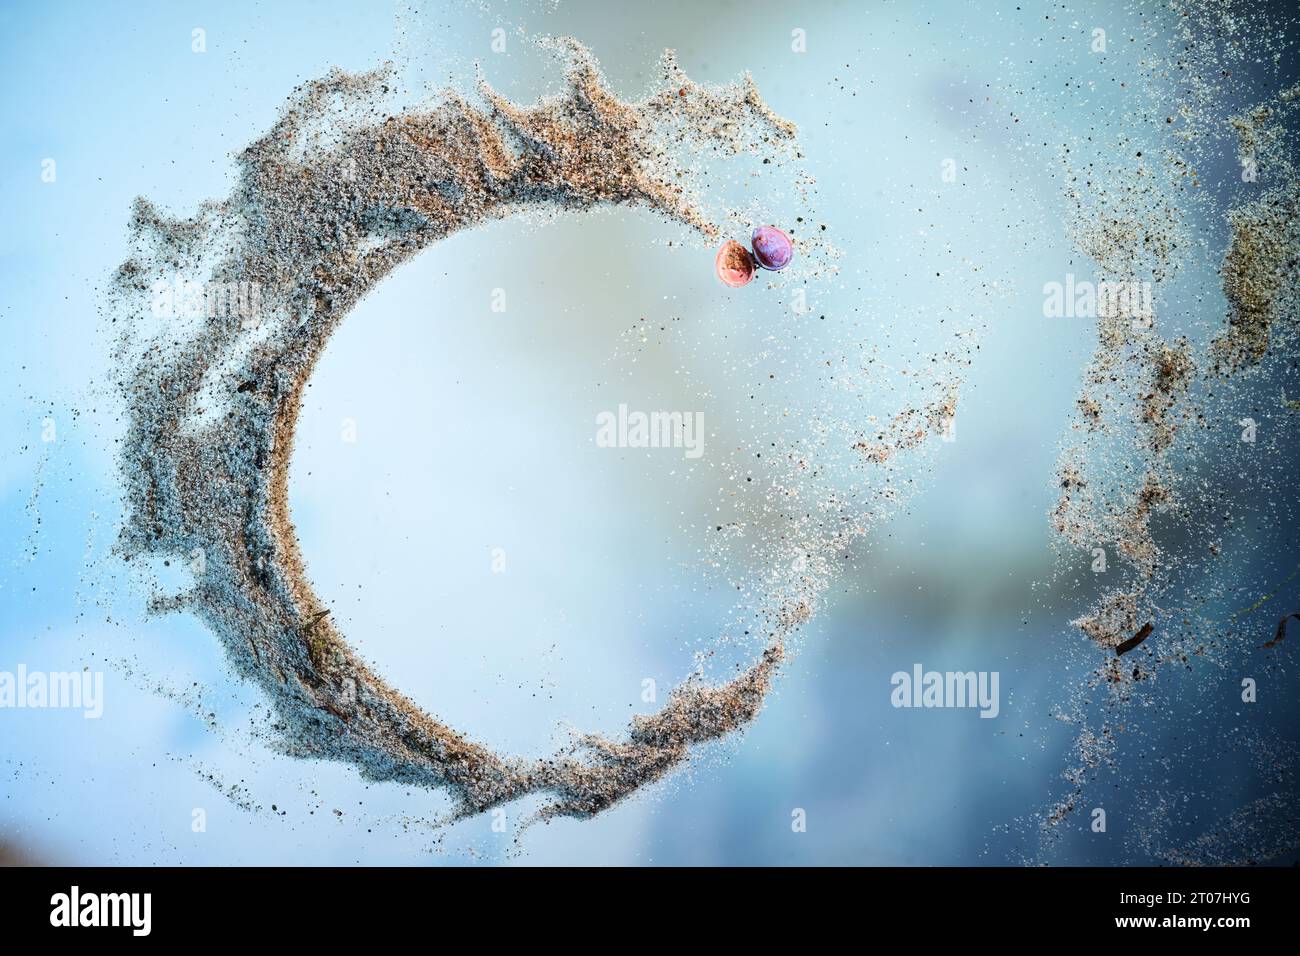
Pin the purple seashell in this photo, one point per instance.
(772, 248)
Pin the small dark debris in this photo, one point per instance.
(1135, 640)
(313, 621)
(1281, 631)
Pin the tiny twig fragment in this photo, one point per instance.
(313, 621)
(1135, 640)
(1281, 631)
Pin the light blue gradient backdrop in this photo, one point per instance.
(475, 431)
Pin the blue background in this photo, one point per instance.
(475, 431)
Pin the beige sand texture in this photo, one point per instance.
(315, 222)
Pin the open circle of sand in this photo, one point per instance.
(315, 222)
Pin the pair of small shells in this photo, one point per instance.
(735, 264)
